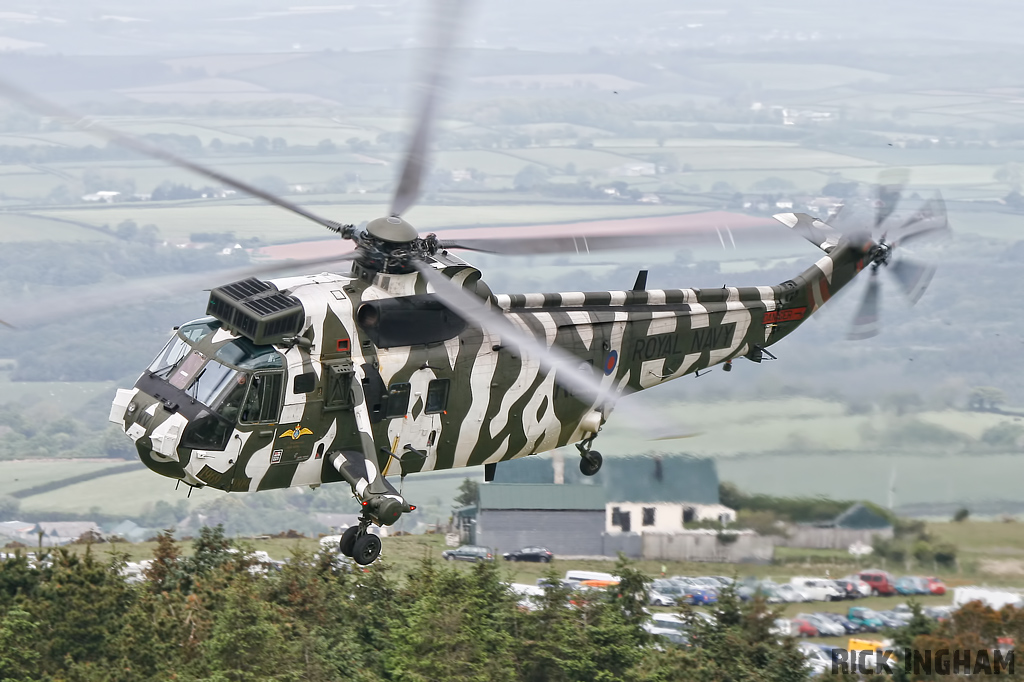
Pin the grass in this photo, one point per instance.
(51, 398)
(795, 77)
(24, 474)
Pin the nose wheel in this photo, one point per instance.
(360, 546)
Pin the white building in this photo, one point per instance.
(662, 517)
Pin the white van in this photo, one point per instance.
(580, 576)
(818, 589)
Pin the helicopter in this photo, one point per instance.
(409, 363)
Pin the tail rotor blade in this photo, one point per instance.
(447, 17)
(913, 276)
(930, 220)
(866, 322)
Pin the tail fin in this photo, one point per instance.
(810, 228)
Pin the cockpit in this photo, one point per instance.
(224, 379)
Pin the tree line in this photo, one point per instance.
(214, 616)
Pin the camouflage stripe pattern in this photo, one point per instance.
(499, 406)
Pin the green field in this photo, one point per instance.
(19, 475)
(53, 398)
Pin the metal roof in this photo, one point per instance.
(644, 478)
(494, 496)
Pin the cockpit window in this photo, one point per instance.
(187, 370)
(199, 329)
(170, 356)
(211, 382)
(245, 354)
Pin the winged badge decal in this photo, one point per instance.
(296, 433)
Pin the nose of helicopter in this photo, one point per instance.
(153, 428)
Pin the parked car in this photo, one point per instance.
(850, 589)
(804, 628)
(783, 627)
(473, 553)
(702, 597)
(936, 586)
(819, 589)
(578, 576)
(672, 589)
(791, 594)
(540, 554)
(847, 624)
(865, 618)
(910, 584)
(881, 582)
(862, 586)
(891, 619)
(818, 662)
(656, 598)
(824, 626)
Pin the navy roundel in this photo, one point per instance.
(610, 362)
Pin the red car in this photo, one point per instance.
(936, 586)
(881, 582)
(804, 628)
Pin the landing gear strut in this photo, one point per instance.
(359, 545)
(590, 460)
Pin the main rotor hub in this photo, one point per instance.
(392, 229)
(882, 254)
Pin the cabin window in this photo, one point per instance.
(338, 389)
(437, 396)
(648, 516)
(398, 400)
(689, 514)
(304, 383)
(263, 401)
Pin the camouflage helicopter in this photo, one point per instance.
(410, 363)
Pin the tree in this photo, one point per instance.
(961, 514)
(529, 178)
(18, 658)
(469, 493)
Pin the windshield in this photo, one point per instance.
(211, 382)
(245, 354)
(170, 356)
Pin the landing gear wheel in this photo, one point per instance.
(366, 549)
(348, 540)
(590, 462)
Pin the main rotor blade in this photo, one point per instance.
(573, 243)
(888, 192)
(133, 292)
(913, 276)
(571, 372)
(47, 108)
(866, 322)
(444, 24)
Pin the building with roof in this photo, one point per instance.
(538, 501)
(859, 524)
(567, 519)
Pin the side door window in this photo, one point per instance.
(263, 401)
(398, 400)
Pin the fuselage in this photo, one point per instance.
(381, 370)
